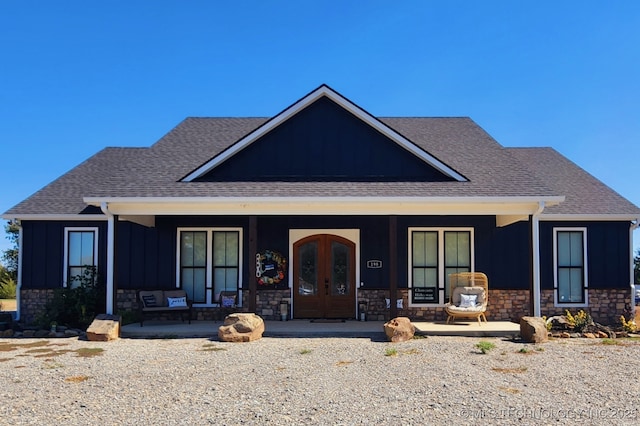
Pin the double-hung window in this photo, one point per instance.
(570, 260)
(434, 254)
(209, 263)
(80, 255)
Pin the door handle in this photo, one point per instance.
(326, 287)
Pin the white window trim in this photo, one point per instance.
(556, 302)
(69, 229)
(442, 279)
(209, 268)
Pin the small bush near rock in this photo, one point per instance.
(485, 346)
(391, 352)
(628, 326)
(579, 321)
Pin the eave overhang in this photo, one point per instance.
(513, 207)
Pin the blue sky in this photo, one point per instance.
(76, 76)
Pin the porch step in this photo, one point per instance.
(305, 328)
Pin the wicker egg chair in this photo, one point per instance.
(468, 296)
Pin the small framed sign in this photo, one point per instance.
(424, 295)
(374, 264)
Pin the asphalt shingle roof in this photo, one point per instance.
(584, 194)
(492, 170)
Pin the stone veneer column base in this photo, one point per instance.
(508, 305)
(33, 303)
(605, 305)
(268, 303)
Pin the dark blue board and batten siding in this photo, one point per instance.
(43, 252)
(324, 143)
(608, 262)
(146, 257)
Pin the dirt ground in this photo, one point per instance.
(7, 304)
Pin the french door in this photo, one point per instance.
(324, 277)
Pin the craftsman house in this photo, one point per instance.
(327, 207)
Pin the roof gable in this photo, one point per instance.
(324, 136)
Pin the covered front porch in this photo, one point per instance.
(307, 328)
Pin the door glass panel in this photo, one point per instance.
(308, 269)
(340, 267)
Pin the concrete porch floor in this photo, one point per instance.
(306, 328)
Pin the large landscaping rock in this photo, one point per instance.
(104, 328)
(399, 329)
(241, 327)
(533, 330)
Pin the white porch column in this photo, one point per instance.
(110, 257)
(19, 278)
(634, 225)
(535, 246)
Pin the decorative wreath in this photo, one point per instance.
(270, 267)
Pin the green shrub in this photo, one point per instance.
(76, 307)
(579, 321)
(8, 288)
(485, 346)
(128, 317)
(390, 352)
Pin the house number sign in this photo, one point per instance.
(374, 264)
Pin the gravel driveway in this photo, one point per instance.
(435, 380)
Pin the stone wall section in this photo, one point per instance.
(33, 303)
(605, 305)
(508, 305)
(268, 303)
(504, 305)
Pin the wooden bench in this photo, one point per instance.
(152, 302)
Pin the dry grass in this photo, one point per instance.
(8, 304)
(76, 379)
(45, 349)
(343, 363)
(8, 347)
(510, 370)
(89, 352)
(509, 390)
(210, 347)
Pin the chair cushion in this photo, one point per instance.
(468, 300)
(228, 301)
(149, 301)
(173, 294)
(174, 302)
(460, 309)
(158, 297)
(456, 298)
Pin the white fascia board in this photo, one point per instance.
(346, 104)
(321, 205)
(52, 217)
(549, 217)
